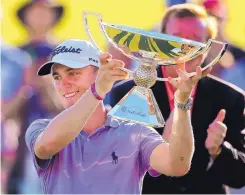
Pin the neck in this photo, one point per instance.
(96, 120)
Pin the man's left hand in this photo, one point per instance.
(186, 83)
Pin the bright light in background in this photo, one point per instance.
(136, 13)
(142, 14)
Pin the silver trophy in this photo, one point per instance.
(150, 49)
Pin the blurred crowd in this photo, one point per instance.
(27, 97)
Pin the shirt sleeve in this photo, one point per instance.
(150, 139)
(32, 133)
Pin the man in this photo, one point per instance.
(219, 10)
(13, 93)
(39, 17)
(236, 74)
(217, 115)
(81, 150)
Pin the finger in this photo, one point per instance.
(113, 64)
(221, 116)
(217, 135)
(206, 72)
(209, 144)
(118, 65)
(182, 75)
(173, 82)
(117, 78)
(217, 124)
(217, 127)
(198, 74)
(117, 72)
(221, 126)
(104, 57)
(214, 141)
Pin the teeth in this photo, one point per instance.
(70, 94)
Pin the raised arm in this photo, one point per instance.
(174, 159)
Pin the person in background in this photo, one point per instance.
(232, 66)
(170, 3)
(13, 94)
(217, 115)
(235, 74)
(38, 17)
(218, 9)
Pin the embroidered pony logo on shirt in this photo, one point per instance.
(114, 158)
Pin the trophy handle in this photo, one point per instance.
(99, 17)
(220, 54)
(215, 60)
(85, 20)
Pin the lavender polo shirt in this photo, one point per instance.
(111, 160)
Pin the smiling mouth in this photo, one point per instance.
(69, 95)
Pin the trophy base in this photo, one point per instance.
(139, 106)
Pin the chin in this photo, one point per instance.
(68, 104)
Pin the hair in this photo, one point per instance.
(190, 10)
(95, 68)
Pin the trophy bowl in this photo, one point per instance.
(150, 49)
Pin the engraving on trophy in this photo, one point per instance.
(133, 111)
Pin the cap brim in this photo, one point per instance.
(45, 69)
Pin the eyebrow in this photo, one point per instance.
(67, 70)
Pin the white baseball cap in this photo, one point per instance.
(73, 53)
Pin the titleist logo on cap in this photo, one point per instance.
(64, 49)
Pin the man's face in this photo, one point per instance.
(71, 84)
(40, 18)
(189, 28)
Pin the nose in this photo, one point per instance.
(65, 83)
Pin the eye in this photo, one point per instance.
(73, 73)
(57, 77)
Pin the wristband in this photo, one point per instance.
(186, 106)
(96, 95)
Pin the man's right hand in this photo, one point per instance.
(108, 74)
